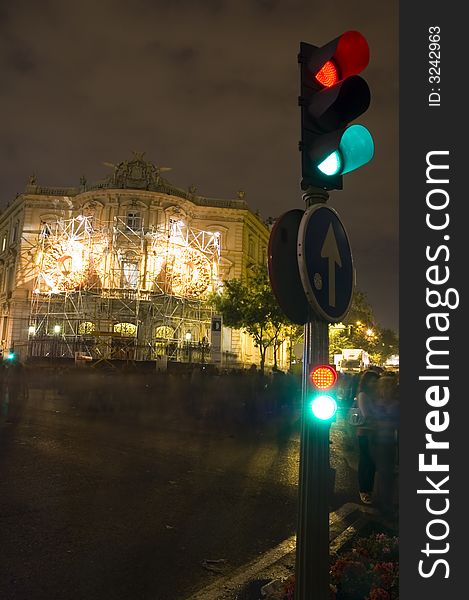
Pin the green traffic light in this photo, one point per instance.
(331, 165)
(356, 148)
(324, 407)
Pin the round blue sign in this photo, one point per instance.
(325, 263)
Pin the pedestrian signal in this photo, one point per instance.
(322, 399)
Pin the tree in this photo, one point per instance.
(360, 330)
(360, 310)
(251, 306)
(287, 332)
(389, 343)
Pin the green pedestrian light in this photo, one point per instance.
(324, 407)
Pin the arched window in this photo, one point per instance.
(251, 248)
(133, 220)
(14, 235)
(164, 332)
(86, 327)
(126, 329)
(92, 209)
(46, 229)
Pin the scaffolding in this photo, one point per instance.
(118, 291)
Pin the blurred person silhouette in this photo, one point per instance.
(384, 441)
(252, 399)
(4, 396)
(278, 392)
(284, 389)
(366, 399)
(15, 390)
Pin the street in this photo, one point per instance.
(119, 487)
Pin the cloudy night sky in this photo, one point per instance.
(208, 88)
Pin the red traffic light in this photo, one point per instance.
(341, 58)
(348, 55)
(352, 53)
(328, 74)
(323, 377)
(332, 96)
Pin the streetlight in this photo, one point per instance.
(55, 340)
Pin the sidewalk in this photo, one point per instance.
(246, 582)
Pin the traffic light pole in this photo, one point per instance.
(312, 542)
(332, 95)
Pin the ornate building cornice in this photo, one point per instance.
(136, 174)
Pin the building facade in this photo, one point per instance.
(123, 268)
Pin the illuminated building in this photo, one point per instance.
(122, 268)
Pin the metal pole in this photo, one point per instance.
(312, 542)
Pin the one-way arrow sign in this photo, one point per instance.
(325, 262)
(330, 251)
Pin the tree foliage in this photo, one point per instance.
(252, 307)
(360, 330)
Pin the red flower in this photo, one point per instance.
(386, 574)
(369, 571)
(378, 594)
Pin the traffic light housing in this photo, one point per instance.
(333, 95)
(322, 397)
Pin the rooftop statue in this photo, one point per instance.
(137, 173)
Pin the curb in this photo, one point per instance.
(344, 523)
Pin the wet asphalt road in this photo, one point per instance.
(118, 487)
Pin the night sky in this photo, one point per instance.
(207, 88)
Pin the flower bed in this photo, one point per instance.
(367, 571)
(370, 571)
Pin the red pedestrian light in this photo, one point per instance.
(323, 377)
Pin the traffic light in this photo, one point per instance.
(333, 95)
(322, 400)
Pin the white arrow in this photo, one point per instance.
(330, 251)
